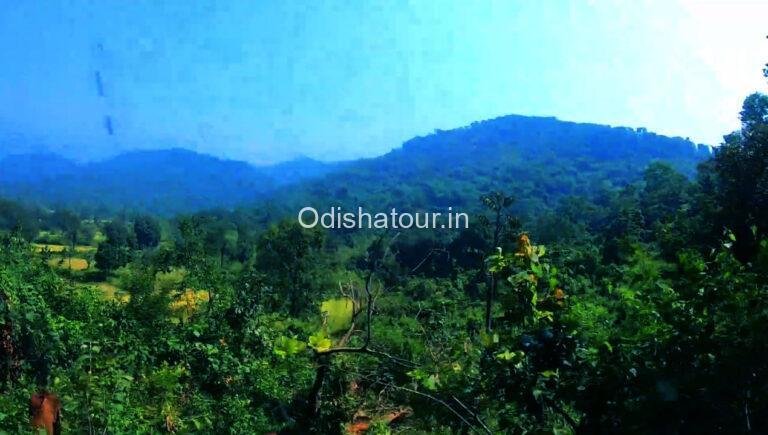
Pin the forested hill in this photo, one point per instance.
(537, 160)
(164, 182)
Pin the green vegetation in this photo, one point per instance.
(598, 300)
(163, 182)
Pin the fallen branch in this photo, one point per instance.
(440, 402)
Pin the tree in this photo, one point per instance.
(15, 217)
(289, 255)
(220, 237)
(69, 223)
(147, 231)
(501, 225)
(741, 166)
(115, 251)
(665, 191)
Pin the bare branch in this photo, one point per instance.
(473, 414)
(429, 254)
(365, 350)
(438, 401)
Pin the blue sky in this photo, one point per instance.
(267, 81)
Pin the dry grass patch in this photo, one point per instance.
(112, 293)
(73, 263)
(40, 247)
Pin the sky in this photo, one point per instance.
(267, 81)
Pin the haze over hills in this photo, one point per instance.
(163, 182)
(534, 158)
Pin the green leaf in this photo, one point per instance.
(543, 314)
(431, 382)
(417, 374)
(338, 314)
(537, 394)
(486, 339)
(536, 269)
(286, 346)
(319, 341)
(509, 356)
(608, 346)
(553, 282)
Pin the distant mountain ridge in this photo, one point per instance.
(164, 182)
(539, 160)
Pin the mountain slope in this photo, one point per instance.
(536, 160)
(165, 182)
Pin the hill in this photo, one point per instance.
(537, 160)
(164, 182)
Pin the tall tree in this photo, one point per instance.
(289, 256)
(147, 231)
(69, 222)
(502, 223)
(115, 251)
(741, 166)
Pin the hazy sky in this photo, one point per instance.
(266, 81)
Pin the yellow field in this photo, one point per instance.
(112, 293)
(39, 247)
(73, 263)
(183, 306)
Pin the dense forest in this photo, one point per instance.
(541, 159)
(161, 182)
(611, 281)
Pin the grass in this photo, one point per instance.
(81, 249)
(74, 263)
(112, 293)
(183, 306)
